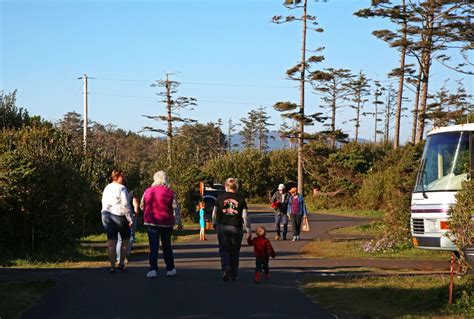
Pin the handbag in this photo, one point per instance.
(305, 226)
(275, 204)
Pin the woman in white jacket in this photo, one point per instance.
(116, 217)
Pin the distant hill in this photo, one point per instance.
(274, 141)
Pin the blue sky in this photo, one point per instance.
(227, 54)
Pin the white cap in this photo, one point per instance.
(281, 186)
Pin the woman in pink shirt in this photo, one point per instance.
(160, 213)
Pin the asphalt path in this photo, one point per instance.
(197, 291)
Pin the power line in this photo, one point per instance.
(124, 80)
(121, 95)
(203, 83)
(240, 85)
(153, 98)
(227, 102)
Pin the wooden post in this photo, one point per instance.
(201, 189)
(450, 302)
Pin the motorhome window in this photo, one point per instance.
(446, 162)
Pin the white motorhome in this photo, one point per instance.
(447, 160)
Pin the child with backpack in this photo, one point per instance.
(262, 249)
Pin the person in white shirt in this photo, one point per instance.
(134, 206)
(116, 217)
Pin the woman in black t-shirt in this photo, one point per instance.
(229, 218)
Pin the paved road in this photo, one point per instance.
(198, 290)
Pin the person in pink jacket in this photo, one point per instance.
(160, 213)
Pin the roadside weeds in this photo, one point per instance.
(399, 296)
(17, 296)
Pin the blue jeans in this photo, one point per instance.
(155, 234)
(230, 240)
(114, 225)
(132, 237)
(281, 219)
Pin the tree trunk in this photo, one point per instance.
(301, 111)
(376, 119)
(333, 114)
(376, 112)
(387, 114)
(357, 121)
(425, 67)
(170, 122)
(426, 63)
(415, 106)
(398, 114)
(229, 138)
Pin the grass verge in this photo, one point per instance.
(92, 255)
(369, 230)
(18, 296)
(392, 296)
(351, 212)
(347, 249)
(141, 236)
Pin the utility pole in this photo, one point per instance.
(84, 136)
(85, 117)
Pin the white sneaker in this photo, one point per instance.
(151, 274)
(171, 273)
(294, 238)
(298, 237)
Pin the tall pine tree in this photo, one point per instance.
(360, 90)
(293, 111)
(174, 105)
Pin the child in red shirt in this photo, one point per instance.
(262, 249)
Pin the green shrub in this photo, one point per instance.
(50, 192)
(283, 167)
(371, 193)
(388, 187)
(461, 222)
(250, 167)
(340, 170)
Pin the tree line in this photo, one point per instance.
(50, 187)
(424, 31)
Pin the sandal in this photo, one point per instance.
(122, 268)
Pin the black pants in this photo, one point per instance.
(230, 240)
(296, 222)
(261, 264)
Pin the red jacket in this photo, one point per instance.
(262, 247)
